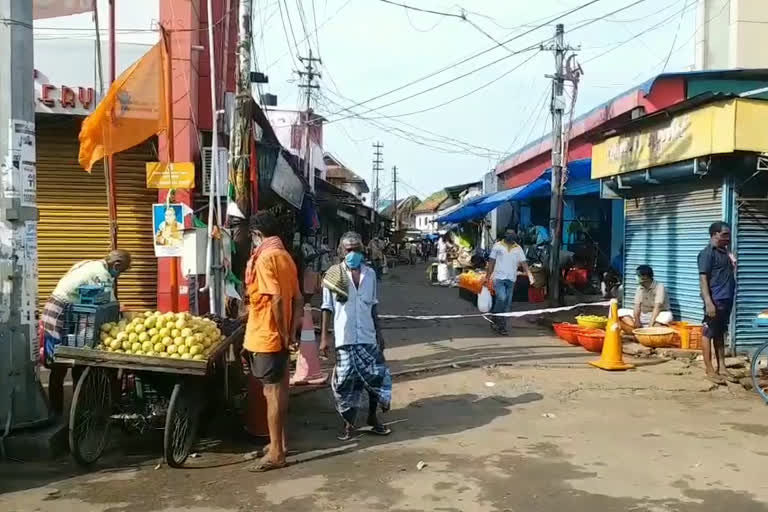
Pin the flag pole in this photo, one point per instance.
(111, 192)
(170, 135)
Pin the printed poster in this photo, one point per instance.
(168, 229)
(19, 170)
(29, 291)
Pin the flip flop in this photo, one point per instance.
(264, 466)
(263, 452)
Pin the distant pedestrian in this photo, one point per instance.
(506, 257)
(350, 298)
(718, 285)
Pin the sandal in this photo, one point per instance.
(346, 435)
(267, 465)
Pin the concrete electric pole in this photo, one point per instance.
(377, 168)
(309, 75)
(22, 403)
(394, 190)
(557, 108)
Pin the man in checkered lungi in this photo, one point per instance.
(88, 272)
(350, 295)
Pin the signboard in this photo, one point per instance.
(286, 184)
(168, 229)
(166, 176)
(63, 99)
(723, 127)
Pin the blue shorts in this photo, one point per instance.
(716, 327)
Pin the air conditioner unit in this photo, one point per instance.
(223, 168)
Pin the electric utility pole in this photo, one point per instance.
(394, 189)
(557, 107)
(21, 395)
(377, 168)
(309, 75)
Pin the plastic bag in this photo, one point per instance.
(484, 300)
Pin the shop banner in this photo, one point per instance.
(168, 229)
(167, 176)
(42, 9)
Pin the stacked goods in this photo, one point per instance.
(175, 335)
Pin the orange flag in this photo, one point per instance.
(133, 110)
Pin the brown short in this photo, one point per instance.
(270, 367)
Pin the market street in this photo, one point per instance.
(516, 423)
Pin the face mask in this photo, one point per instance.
(114, 272)
(256, 241)
(510, 238)
(354, 259)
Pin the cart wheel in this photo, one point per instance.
(759, 371)
(89, 415)
(180, 425)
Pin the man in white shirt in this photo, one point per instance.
(350, 298)
(506, 257)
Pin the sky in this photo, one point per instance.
(446, 129)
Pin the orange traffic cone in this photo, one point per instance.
(612, 358)
(308, 363)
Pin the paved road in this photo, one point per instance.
(515, 423)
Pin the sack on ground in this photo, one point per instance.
(484, 300)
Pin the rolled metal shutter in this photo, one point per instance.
(667, 231)
(74, 219)
(137, 287)
(751, 273)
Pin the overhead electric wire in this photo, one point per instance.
(476, 54)
(314, 24)
(426, 11)
(674, 39)
(442, 139)
(287, 38)
(457, 98)
(657, 26)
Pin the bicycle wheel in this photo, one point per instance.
(759, 371)
(181, 425)
(89, 415)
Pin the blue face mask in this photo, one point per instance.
(354, 259)
(114, 272)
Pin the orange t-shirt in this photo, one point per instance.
(275, 274)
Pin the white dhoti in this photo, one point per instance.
(664, 317)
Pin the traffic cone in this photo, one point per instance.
(611, 357)
(308, 363)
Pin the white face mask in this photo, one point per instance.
(256, 240)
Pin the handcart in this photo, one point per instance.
(759, 366)
(140, 393)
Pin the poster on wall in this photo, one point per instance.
(168, 229)
(19, 172)
(29, 292)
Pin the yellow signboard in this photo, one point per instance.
(175, 175)
(719, 128)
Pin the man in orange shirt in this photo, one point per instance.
(274, 316)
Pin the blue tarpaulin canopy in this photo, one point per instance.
(579, 183)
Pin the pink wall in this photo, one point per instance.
(527, 165)
(187, 21)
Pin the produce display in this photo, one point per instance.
(593, 321)
(174, 335)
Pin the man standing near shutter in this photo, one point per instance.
(718, 286)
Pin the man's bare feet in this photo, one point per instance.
(715, 377)
(267, 464)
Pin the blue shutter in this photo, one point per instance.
(751, 273)
(667, 231)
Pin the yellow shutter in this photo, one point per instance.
(74, 220)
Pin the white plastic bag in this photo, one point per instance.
(484, 300)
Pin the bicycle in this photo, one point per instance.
(758, 368)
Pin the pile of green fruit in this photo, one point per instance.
(175, 335)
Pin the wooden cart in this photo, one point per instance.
(140, 392)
